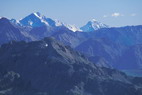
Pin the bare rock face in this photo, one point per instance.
(11, 83)
(55, 69)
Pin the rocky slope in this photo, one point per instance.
(109, 52)
(9, 32)
(56, 69)
(11, 83)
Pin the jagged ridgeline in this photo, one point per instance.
(42, 56)
(48, 67)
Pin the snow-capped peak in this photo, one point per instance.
(70, 27)
(38, 20)
(73, 28)
(37, 14)
(96, 25)
(93, 25)
(41, 17)
(34, 20)
(94, 20)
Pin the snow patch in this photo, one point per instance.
(43, 21)
(30, 22)
(73, 28)
(42, 18)
(37, 14)
(46, 45)
(58, 23)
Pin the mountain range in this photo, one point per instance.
(42, 56)
(37, 20)
(51, 68)
(94, 39)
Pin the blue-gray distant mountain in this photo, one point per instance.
(93, 25)
(9, 32)
(104, 45)
(131, 58)
(102, 48)
(55, 69)
(108, 43)
(37, 20)
(129, 35)
(43, 26)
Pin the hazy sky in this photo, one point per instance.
(77, 12)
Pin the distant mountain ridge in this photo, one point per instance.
(41, 56)
(111, 42)
(8, 32)
(93, 25)
(116, 41)
(37, 20)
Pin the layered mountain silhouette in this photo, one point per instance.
(38, 20)
(35, 27)
(110, 43)
(8, 32)
(42, 56)
(55, 69)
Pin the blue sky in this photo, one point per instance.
(77, 12)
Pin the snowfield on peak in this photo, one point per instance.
(37, 20)
(73, 28)
(93, 25)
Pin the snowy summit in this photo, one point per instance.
(93, 25)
